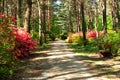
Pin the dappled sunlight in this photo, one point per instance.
(45, 51)
(64, 49)
(116, 66)
(70, 75)
(55, 56)
(99, 63)
(61, 63)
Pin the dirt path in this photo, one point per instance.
(59, 63)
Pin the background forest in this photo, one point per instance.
(25, 24)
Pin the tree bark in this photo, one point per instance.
(27, 24)
(44, 20)
(39, 18)
(19, 15)
(76, 16)
(104, 16)
(83, 22)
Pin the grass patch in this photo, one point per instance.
(81, 49)
(43, 47)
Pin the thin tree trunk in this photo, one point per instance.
(3, 5)
(44, 20)
(19, 15)
(70, 17)
(116, 14)
(70, 22)
(40, 27)
(76, 16)
(83, 22)
(89, 11)
(104, 16)
(27, 24)
(96, 17)
(49, 15)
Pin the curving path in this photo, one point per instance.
(58, 63)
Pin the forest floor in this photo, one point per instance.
(60, 63)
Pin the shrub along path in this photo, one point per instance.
(61, 63)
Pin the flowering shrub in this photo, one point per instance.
(17, 38)
(13, 19)
(1, 15)
(23, 42)
(73, 36)
(7, 61)
(14, 42)
(6, 41)
(110, 42)
(77, 37)
(69, 38)
(91, 33)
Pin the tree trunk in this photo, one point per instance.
(115, 14)
(83, 22)
(76, 16)
(3, 5)
(96, 17)
(70, 17)
(70, 23)
(44, 20)
(89, 11)
(40, 27)
(104, 16)
(27, 24)
(19, 15)
(49, 15)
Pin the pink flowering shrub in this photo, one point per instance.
(1, 15)
(23, 42)
(13, 19)
(15, 42)
(21, 39)
(91, 34)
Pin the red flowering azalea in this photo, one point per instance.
(91, 34)
(1, 15)
(19, 39)
(13, 19)
(23, 42)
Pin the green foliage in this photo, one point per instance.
(112, 38)
(5, 72)
(35, 29)
(63, 35)
(34, 34)
(83, 50)
(109, 22)
(77, 39)
(52, 35)
(99, 23)
(7, 61)
(6, 42)
(55, 31)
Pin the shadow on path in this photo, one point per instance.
(60, 63)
